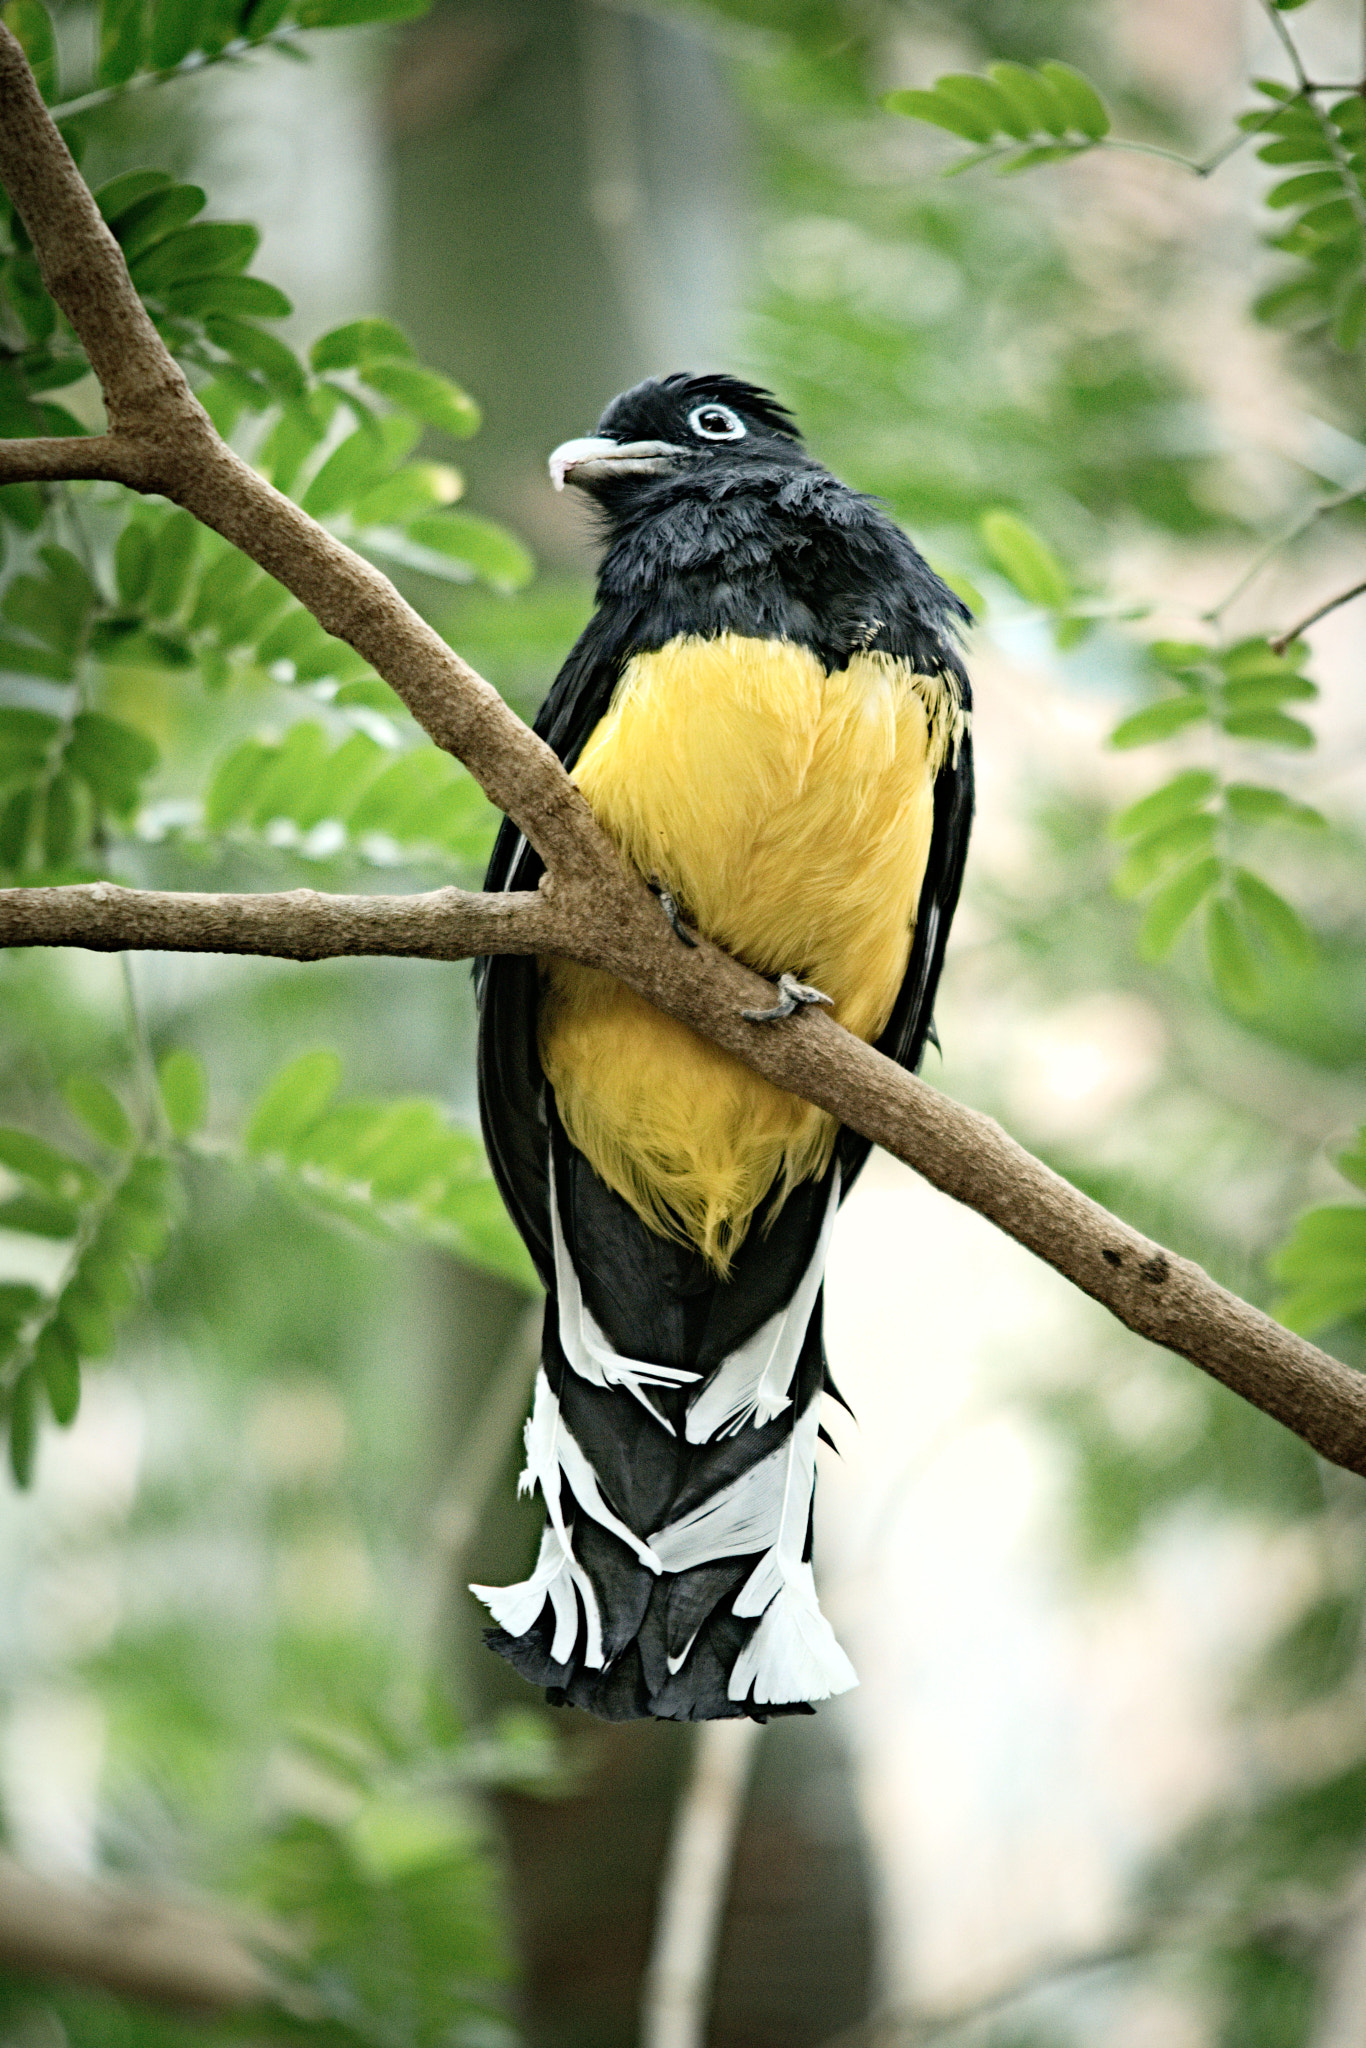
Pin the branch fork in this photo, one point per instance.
(590, 907)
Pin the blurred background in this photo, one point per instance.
(1104, 1779)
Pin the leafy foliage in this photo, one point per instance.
(301, 791)
(397, 1165)
(1184, 838)
(1054, 110)
(1325, 196)
(110, 1219)
(1324, 1259)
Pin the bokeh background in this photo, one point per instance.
(1104, 1779)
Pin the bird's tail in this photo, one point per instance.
(674, 1575)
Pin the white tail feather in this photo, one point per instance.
(585, 1343)
(792, 1654)
(753, 1383)
(551, 1448)
(743, 1516)
(558, 1575)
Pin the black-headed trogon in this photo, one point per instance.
(768, 714)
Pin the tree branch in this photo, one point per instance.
(590, 907)
(1284, 640)
(134, 1945)
(294, 924)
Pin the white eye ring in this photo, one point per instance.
(713, 422)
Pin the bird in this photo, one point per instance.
(769, 715)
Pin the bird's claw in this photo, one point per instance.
(793, 995)
(669, 905)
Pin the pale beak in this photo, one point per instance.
(589, 460)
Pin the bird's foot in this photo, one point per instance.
(793, 995)
(669, 905)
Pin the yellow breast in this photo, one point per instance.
(789, 812)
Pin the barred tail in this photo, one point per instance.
(674, 1576)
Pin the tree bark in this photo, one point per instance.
(590, 907)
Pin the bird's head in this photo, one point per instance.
(696, 430)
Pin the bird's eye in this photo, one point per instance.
(716, 423)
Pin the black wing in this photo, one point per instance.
(912, 1018)
(511, 1085)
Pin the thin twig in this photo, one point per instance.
(188, 67)
(1284, 640)
(1299, 525)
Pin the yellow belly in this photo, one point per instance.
(789, 812)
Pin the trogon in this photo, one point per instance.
(769, 715)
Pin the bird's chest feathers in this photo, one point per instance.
(788, 810)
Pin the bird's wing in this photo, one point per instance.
(511, 1085)
(912, 1020)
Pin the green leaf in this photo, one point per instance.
(256, 350)
(358, 463)
(1352, 1165)
(1281, 926)
(184, 1091)
(1156, 850)
(175, 546)
(121, 40)
(1231, 958)
(1325, 1256)
(115, 197)
(100, 1110)
(1174, 903)
(34, 1159)
(1309, 185)
(487, 548)
(60, 1368)
(295, 1099)
(1193, 786)
(25, 738)
(1350, 324)
(1083, 104)
(1181, 657)
(134, 556)
(985, 101)
(1252, 803)
(432, 397)
(23, 1426)
(206, 248)
(1034, 96)
(416, 488)
(177, 28)
(1158, 721)
(39, 1216)
(111, 758)
(1274, 727)
(61, 821)
(359, 343)
(1267, 693)
(142, 225)
(351, 13)
(942, 112)
(31, 24)
(250, 297)
(1026, 559)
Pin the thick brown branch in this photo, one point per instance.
(593, 909)
(73, 458)
(294, 924)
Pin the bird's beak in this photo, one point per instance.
(590, 460)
